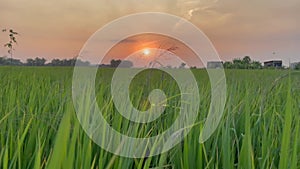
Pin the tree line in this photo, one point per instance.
(245, 63)
(41, 62)
(60, 62)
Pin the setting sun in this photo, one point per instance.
(146, 52)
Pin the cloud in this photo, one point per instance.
(188, 7)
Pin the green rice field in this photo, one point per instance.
(260, 127)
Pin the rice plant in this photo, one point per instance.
(259, 129)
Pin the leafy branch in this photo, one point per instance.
(12, 40)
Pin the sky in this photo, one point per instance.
(262, 29)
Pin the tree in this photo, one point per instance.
(115, 63)
(55, 62)
(245, 63)
(3, 61)
(68, 62)
(15, 62)
(246, 60)
(238, 64)
(228, 65)
(39, 61)
(256, 65)
(29, 62)
(12, 40)
(182, 65)
(297, 67)
(36, 62)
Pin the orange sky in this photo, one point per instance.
(59, 28)
(147, 41)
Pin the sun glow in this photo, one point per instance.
(146, 52)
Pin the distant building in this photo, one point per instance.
(215, 65)
(293, 65)
(273, 64)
